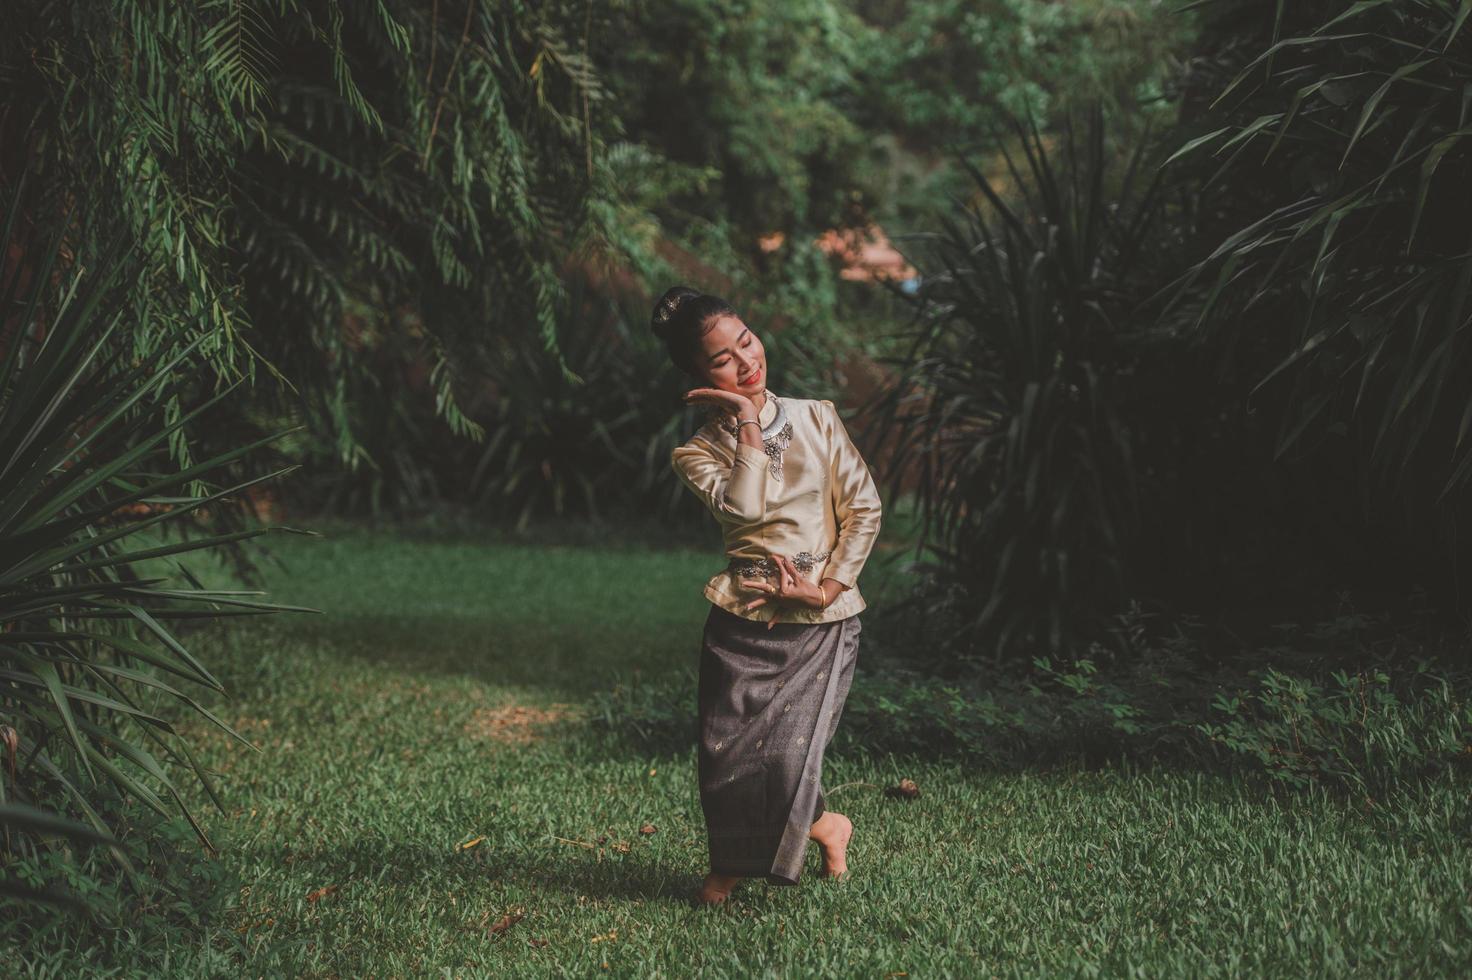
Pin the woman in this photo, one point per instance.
(799, 514)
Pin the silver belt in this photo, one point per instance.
(804, 560)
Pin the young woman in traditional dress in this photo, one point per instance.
(799, 514)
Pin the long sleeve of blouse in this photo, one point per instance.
(824, 510)
(734, 489)
(856, 505)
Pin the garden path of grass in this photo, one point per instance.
(387, 743)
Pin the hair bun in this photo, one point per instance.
(668, 308)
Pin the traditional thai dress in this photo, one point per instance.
(770, 698)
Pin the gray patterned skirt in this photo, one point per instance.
(770, 700)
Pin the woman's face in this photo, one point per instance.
(733, 358)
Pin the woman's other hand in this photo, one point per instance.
(790, 585)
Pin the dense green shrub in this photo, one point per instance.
(1234, 390)
(1364, 729)
(1329, 142)
(178, 895)
(1021, 397)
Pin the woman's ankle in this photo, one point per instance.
(825, 825)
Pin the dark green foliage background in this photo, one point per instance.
(371, 202)
(1175, 424)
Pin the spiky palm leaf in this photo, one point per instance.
(85, 638)
(1345, 150)
(1007, 405)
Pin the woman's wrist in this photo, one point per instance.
(828, 590)
(743, 409)
(750, 435)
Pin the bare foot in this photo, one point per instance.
(832, 831)
(716, 888)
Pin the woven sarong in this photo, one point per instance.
(770, 700)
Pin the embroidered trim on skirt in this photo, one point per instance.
(769, 701)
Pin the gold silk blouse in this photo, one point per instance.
(825, 501)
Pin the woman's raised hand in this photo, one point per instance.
(738, 405)
(790, 585)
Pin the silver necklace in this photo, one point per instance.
(775, 436)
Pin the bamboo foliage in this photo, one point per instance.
(295, 162)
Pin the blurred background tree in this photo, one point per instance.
(372, 202)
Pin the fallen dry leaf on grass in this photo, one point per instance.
(906, 790)
(500, 925)
(580, 843)
(536, 943)
(321, 893)
(505, 922)
(648, 828)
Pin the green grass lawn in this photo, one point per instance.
(381, 756)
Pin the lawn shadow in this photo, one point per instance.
(567, 658)
(635, 876)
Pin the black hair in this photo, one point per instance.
(680, 318)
